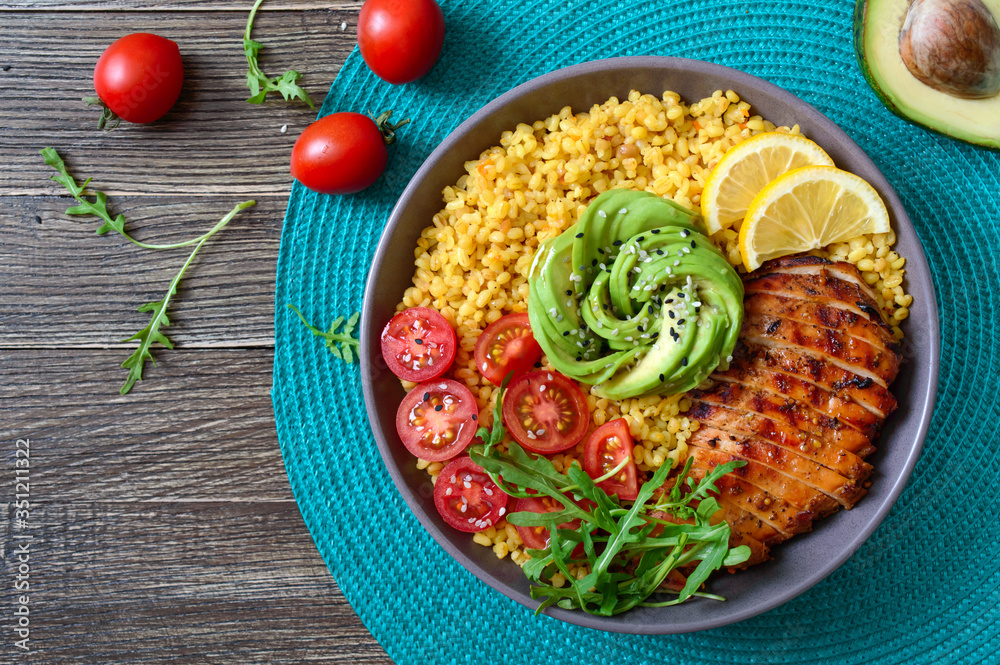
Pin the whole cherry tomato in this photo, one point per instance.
(342, 153)
(400, 40)
(139, 77)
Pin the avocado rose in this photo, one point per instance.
(634, 299)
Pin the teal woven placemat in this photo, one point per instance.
(923, 589)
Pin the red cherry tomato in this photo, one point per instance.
(139, 77)
(467, 498)
(546, 412)
(437, 419)
(400, 40)
(506, 345)
(340, 153)
(538, 537)
(607, 447)
(419, 344)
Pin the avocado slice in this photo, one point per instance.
(634, 299)
(878, 25)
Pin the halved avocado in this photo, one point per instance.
(877, 28)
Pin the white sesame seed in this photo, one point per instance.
(447, 492)
(501, 512)
(601, 213)
(284, 128)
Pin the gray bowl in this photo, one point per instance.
(799, 563)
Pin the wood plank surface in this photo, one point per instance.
(212, 143)
(162, 526)
(242, 6)
(226, 297)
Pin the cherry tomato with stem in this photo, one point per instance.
(506, 345)
(400, 40)
(343, 153)
(607, 448)
(437, 419)
(418, 344)
(467, 498)
(546, 412)
(138, 79)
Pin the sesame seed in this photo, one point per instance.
(684, 361)
(616, 243)
(693, 244)
(579, 235)
(662, 378)
(601, 213)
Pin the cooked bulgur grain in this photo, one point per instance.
(472, 263)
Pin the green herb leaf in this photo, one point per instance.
(152, 333)
(258, 82)
(99, 206)
(341, 344)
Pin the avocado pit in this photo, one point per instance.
(952, 46)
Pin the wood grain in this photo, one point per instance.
(212, 143)
(176, 5)
(180, 583)
(163, 526)
(226, 297)
(198, 427)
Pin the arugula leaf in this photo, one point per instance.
(152, 334)
(258, 81)
(99, 206)
(345, 338)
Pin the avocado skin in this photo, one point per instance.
(860, 25)
(588, 318)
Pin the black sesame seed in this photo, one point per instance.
(427, 396)
(693, 244)
(655, 231)
(38, 219)
(600, 250)
(685, 233)
(660, 252)
(684, 361)
(579, 358)
(439, 407)
(568, 292)
(640, 238)
(681, 322)
(670, 313)
(604, 306)
(616, 243)
(475, 417)
(662, 378)
(418, 340)
(6, 68)
(565, 333)
(579, 235)
(593, 262)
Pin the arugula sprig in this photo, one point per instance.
(152, 332)
(258, 82)
(342, 344)
(99, 206)
(616, 538)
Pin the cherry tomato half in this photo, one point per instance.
(139, 77)
(419, 344)
(437, 419)
(538, 537)
(506, 345)
(546, 412)
(400, 40)
(340, 153)
(609, 446)
(467, 497)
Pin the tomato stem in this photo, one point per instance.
(107, 115)
(387, 129)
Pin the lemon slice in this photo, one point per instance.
(809, 208)
(747, 167)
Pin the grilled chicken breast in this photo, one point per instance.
(802, 401)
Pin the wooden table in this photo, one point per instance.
(162, 527)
